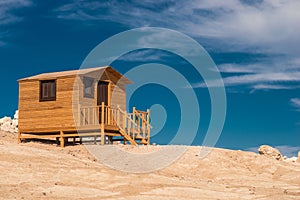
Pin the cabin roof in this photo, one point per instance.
(55, 75)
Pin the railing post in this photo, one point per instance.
(143, 125)
(97, 112)
(133, 114)
(148, 126)
(124, 121)
(108, 114)
(118, 116)
(94, 115)
(88, 116)
(79, 116)
(84, 116)
(102, 124)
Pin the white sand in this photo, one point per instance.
(37, 170)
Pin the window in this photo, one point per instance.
(88, 87)
(48, 90)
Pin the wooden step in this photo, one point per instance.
(127, 137)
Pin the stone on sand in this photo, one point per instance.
(270, 152)
(10, 125)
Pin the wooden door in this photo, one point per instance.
(102, 96)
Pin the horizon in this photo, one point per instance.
(258, 59)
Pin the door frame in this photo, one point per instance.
(108, 92)
(108, 96)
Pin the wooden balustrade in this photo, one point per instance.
(135, 124)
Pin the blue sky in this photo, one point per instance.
(255, 45)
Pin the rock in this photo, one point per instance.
(270, 152)
(16, 115)
(292, 159)
(5, 120)
(10, 125)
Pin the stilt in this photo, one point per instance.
(19, 137)
(62, 139)
(110, 139)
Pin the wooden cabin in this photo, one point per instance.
(85, 103)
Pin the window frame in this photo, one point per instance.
(42, 98)
(92, 82)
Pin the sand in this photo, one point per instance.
(35, 170)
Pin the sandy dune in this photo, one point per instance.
(44, 171)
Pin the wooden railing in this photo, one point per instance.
(135, 124)
(142, 119)
(95, 115)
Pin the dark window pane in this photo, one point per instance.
(88, 87)
(52, 91)
(48, 90)
(45, 90)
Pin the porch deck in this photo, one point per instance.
(99, 122)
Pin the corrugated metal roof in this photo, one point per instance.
(54, 75)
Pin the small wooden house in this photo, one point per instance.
(80, 103)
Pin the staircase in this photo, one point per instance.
(133, 127)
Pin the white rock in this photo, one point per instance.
(7, 126)
(270, 152)
(292, 159)
(10, 125)
(16, 115)
(6, 119)
(284, 157)
(14, 123)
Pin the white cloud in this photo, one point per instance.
(296, 103)
(254, 80)
(271, 25)
(267, 26)
(6, 8)
(277, 75)
(7, 16)
(272, 87)
(144, 56)
(235, 68)
(265, 65)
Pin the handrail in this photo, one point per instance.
(135, 124)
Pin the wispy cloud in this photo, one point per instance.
(7, 15)
(273, 87)
(8, 6)
(296, 103)
(146, 55)
(275, 74)
(274, 63)
(256, 81)
(270, 27)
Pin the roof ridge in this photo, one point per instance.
(62, 73)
